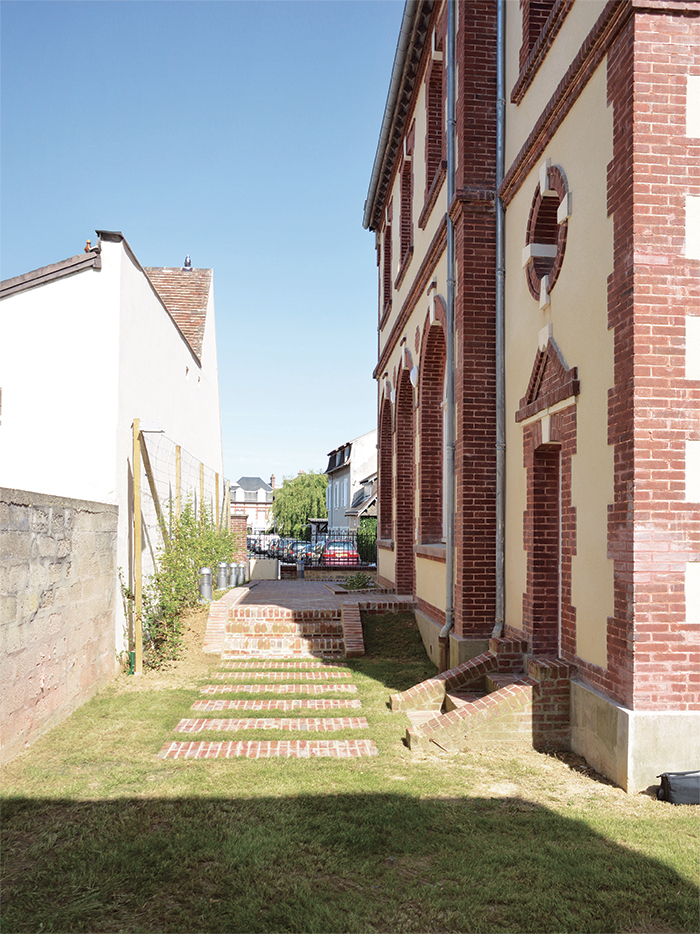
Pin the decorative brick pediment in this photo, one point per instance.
(551, 381)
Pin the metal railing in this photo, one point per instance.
(344, 549)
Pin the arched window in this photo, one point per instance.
(386, 479)
(432, 435)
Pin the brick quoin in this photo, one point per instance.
(652, 651)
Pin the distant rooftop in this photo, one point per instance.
(185, 293)
(249, 484)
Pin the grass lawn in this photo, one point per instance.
(98, 834)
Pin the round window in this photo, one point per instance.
(546, 232)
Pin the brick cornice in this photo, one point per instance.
(582, 68)
(538, 54)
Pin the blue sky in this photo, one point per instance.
(242, 133)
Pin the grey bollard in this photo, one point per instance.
(205, 584)
(222, 576)
(240, 574)
(232, 580)
(300, 569)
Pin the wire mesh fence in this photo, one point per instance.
(171, 480)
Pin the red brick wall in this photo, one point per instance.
(385, 474)
(549, 537)
(240, 541)
(475, 391)
(405, 485)
(430, 414)
(652, 652)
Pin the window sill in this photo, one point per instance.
(386, 311)
(433, 552)
(405, 263)
(387, 544)
(432, 195)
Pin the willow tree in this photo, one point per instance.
(297, 501)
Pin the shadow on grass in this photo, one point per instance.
(391, 638)
(351, 862)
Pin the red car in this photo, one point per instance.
(340, 553)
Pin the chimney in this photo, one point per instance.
(272, 481)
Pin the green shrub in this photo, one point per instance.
(195, 542)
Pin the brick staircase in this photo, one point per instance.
(280, 632)
(503, 695)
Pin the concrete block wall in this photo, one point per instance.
(58, 597)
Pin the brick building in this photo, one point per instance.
(539, 352)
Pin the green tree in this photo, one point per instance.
(299, 500)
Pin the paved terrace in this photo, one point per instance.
(302, 597)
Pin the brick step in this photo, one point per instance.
(504, 715)
(325, 703)
(257, 646)
(301, 724)
(278, 665)
(274, 613)
(456, 699)
(284, 627)
(264, 749)
(281, 675)
(278, 689)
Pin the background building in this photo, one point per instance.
(348, 466)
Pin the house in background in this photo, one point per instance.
(567, 521)
(348, 466)
(364, 502)
(89, 345)
(252, 496)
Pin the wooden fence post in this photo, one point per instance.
(138, 635)
(178, 481)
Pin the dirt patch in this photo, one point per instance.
(187, 671)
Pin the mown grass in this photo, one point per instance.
(100, 835)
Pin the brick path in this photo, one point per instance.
(310, 679)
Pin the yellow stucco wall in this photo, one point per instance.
(577, 318)
(431, 581)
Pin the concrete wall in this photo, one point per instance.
(58, 595)
(632, 747)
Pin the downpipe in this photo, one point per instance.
(444, 638)
(499, 621)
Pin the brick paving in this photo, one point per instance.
(278, 689)
(289, 749)
(291, 664)
(326, 703)
(281, 675)
(302, 724)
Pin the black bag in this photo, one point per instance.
(679, 787)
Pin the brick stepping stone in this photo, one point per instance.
(282, 675)
(278, 689)
(288, 749)
(272, 665)
(326, 703)
(310, 724)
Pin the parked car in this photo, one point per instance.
(300, 551)
(340, 553)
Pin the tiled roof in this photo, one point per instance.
(253, 483)
(185, 293)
